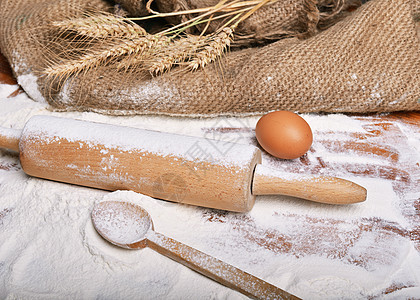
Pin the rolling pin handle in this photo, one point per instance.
(9, 138)
(323, 189)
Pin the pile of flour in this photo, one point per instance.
(50, 250)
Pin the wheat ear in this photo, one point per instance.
(213, 50)
(98, 57)
(159, 44)
(101, 26)
(180, 50)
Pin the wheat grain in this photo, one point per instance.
(213, 50)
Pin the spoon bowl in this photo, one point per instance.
(122, 223)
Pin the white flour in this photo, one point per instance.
(49, 248)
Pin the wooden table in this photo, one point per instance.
(386, 150)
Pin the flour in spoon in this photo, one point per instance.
(120, 222)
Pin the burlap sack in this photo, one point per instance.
(368, 62)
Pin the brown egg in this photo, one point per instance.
(284, 134)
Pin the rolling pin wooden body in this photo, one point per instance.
(185, 169)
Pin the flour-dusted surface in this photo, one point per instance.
(49, 248)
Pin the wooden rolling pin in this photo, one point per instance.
(192, 170)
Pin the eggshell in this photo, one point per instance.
(284, 134)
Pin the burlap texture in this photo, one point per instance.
(367, 62)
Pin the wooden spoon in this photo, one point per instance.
(130, 226)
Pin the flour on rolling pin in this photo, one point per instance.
(169, 166)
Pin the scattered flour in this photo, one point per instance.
(49, 248)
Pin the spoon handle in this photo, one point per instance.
(215, 269)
